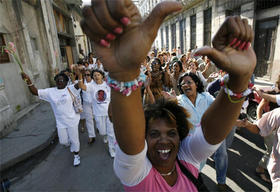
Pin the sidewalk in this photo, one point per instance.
(34, 132)
(259, 82)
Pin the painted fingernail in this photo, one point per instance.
(247, 46)
(104, 43)
(118, 30)
(233, 41)
(242, 45)
(125, 20)
(110, 37)
(236, 45)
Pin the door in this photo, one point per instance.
(69, 55)
(264, 46)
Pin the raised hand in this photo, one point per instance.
(232, 49)
(121, 39)
(26, 78)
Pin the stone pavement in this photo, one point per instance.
(34, 132)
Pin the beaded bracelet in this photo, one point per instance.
(229, 92)
(126, 88)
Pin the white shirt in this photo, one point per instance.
(90, 66)
(278, 99)
(62, 105)
(101, 68)
(132, 169)
(86, 95)
(101, 97)
(202, 102)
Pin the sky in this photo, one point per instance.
(86, 2)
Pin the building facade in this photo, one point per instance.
(199, 20)
(44, 38)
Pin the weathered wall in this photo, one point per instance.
(266, 14)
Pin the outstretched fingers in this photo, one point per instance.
(104, 21)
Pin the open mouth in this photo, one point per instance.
(164, 154)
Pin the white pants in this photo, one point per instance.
(69, 136)
(101, 124)
(111, 135)
(88, 114)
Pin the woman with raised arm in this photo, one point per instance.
(146, 157)
(60, 99)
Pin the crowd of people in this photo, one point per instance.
(161, 125)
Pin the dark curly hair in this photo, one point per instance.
(99, 71)
(170, 111)
(179, 64)
(195, 78)
(65, 77)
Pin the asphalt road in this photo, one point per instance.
(55, 172)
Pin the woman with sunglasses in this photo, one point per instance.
(154, 150)
(100, 94)
(87, 107)
(67, 120)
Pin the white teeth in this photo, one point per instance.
(164, 151)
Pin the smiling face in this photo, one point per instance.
(60, 82)
(97, 77)
(188, 86)
(163, 144)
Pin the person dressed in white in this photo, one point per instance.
(87, 108)
(67, 119)
(98, 65)
(101, 96)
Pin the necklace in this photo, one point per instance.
(169, 173)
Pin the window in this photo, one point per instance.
(4, 58)
(34, 43)
(173, 36)
(193, 31)
(167, 37)
(266, 4)
(182, 35)
(207, 26)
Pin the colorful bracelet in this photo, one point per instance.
(229, 92)
(126, 88)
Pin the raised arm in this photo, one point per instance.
(231, 52)
(117, 30)
(266, 96)
(29, 83)
(80, 79)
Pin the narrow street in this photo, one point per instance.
(56, 172)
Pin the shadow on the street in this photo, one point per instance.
(244, 155)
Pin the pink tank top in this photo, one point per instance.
(155, 182)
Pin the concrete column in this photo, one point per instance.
(188, 33)
(199, 27)
(178, 44)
